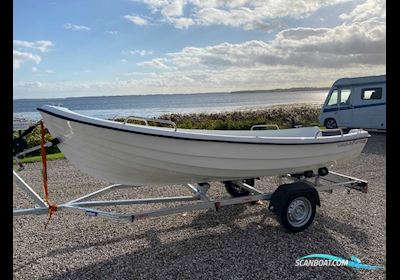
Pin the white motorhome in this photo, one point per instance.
(356, 103)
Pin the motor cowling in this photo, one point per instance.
(19, 144)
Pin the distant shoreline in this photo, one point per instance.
(120, 95)
(282, 90)
(164, 94)
(21, 121)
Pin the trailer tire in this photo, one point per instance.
(294, 222)
(235, 190)
(330, 123)
(295, 205)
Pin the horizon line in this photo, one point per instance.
(294, 89)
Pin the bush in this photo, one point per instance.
(305, 115)
(33, 139)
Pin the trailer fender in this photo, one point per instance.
(286, 191)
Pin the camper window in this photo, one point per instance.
(333, 99)
(345, 96)
(371, 93)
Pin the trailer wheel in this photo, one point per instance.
(298, 213)
(235, 190)
(330, 123)
(294, 205)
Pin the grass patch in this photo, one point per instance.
(39, 158)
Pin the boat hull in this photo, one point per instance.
(131, 158)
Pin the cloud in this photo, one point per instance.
(175, 8)
(75, 27)
(22, 57)
(139, 52)
(243, 14)
(370, 9)
(154, 63)
(344, 45)
(47, 71)
(197, 80)
(28, 85)
(295, 57)
(242, 17)
(42, 46)
(136, 20)
(302, 56)
(110, 32)
(182, 23)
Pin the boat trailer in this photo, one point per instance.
(293, 202)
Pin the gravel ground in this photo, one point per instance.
(237, 242)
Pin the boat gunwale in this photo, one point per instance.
(203, 140)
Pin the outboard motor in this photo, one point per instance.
(19, 143)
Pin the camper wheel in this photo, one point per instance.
(235, 190)
(330, 123)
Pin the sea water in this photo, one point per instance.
(108, 107)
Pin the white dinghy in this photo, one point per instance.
(140, 154)
(135, 155)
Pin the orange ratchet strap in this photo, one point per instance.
(52, 207)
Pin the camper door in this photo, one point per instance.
(331, 105)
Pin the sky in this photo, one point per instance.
(120, 47)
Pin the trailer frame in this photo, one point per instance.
(328, 183)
